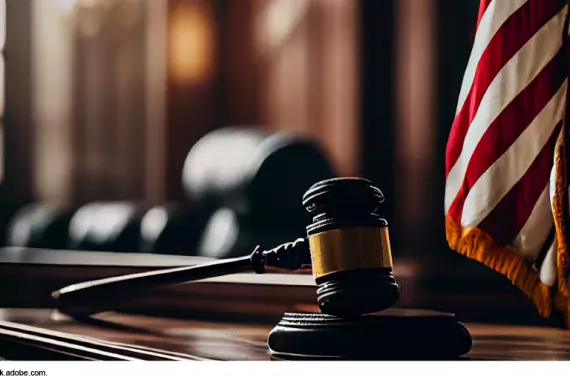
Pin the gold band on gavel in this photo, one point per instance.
(350, 248)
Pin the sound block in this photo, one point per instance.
(395, 334)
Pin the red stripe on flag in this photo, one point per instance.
(521, 199)
(483, 5)
(513, 34)
(509, 125)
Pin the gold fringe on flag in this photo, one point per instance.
(559, 209)
(478, 245)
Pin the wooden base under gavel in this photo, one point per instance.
(394, 334)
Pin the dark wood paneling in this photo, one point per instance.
(454, 31)
(18, 122)
(16, 187)
(239, 65)
(377, 107)
(455, 28)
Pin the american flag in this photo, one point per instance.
(506, 195)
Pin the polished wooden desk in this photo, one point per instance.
(130, 337)
(230, 318)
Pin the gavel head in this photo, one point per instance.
(350, 247)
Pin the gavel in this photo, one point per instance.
(347, 249)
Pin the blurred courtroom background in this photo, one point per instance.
(103, 99)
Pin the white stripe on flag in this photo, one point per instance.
(506, 171)
(534, 233)
(496, 13)
(547, 274)
(513, 78)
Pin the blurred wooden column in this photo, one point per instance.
(454, 32)
(417, 208)
(16, 187)
(282, 38)
(377, 106)
(109, 83)
(52, 101)
(155, 101)
(239, 69)
(434, 39)
(336, 69)
(88, 99)
(309, 52)
(138, 89)
(7, 198)
(2, 84)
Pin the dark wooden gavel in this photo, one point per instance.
(347, 248)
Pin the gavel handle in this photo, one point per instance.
(95, 296)
(90, 297)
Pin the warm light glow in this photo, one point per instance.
(191, 43)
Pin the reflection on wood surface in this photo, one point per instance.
(151, 338)
(473, 292)
(230, 317)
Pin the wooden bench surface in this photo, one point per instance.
(159, 338)
(230, 318)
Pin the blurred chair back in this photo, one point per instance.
(254, 181)
(172, 229)
(107, 226)
(40, 225)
